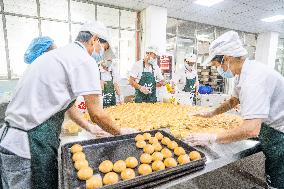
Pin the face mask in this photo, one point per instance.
(188, 67)
(152, 61)
(99, 56)
(225, 74)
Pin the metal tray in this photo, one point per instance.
(119, 148)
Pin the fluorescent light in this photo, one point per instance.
(273, 18)
(207, 3)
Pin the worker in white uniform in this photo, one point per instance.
(145, 76)
(259, 90)
(186, 79)
(30, 136)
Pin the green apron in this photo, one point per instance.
(148, 80)
(109, 93)
(189, 87)
(272, 144)
(44, 143)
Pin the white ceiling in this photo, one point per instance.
(243, 15)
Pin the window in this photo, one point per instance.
(20, 32)
(58, 31)
(82, 12)
(128, 19)
(3, 65)
(56, 9)
(75, 28)
(109, 16)
(26, 7)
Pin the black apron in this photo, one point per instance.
(189, 87)
(148, 80)
(272, 144)
(109, 98)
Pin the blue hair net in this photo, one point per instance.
(37, 47)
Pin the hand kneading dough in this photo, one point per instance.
(76, 148)
(106, 166)
(85, 173)
(81, 164)
(119, 166)
(158, 165)
(131, 162)
(78, 156)
(94, 182)
(127, 174)
(144, 169)
(110, 178)
(146, 158)
(140, 144)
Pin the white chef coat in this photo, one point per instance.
(49, 86)
(260, 90)
(111, 72)
(179, 77)
(137, 70)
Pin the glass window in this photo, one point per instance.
(114, 41)
(171, 25)
(184, 46)
(54, 9)
(127, 52)
(20, 33)
(75, 30)
(3, 64)
(27, 7)
(58, 31)
(108, 16)
(128, 19)
(82, 12)
(186, 28)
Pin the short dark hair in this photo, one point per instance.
(218, 58)
(84, 36)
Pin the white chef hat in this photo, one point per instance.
(190, 57)
(96, 27)
(227, 44)
(153, 49)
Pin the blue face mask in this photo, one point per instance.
(225, 74)
(99, 56)
(152, 61)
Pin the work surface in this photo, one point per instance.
(218, 156)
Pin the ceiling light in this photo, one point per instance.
(273, 18)
(207, 3)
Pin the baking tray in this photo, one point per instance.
(119, 148)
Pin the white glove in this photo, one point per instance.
(201, 139)
(125, 131)
(144, 90)
(96, 130)
(202, 114)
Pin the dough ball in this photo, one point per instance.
(183, 159)
(85, 173)
(110, 178)
(179, 151)
(153, 140)
(140, 144)
(158, 165)
(144, 169)
(166, 152)
(157, 147)
(159, 136)
(94, 182)
(172, 145)
(149, 149)
(170, 162)
(146, 158)
(127, 174)
(139, 137)
(131, 162)
(81, 164)
(119, 166)
(157, 156)
(147, 136)
(165, 141)
(106, 166)
(78, 156)
(194, 155)
(76, 148)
